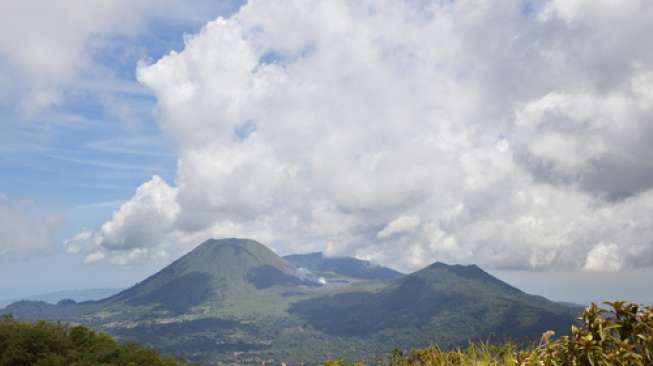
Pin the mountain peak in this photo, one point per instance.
(215, 270)
(464, 270)
(439, 271)
(235, 246)
(234, 242)
(228, 256)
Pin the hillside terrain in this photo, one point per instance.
(619, 335)
(234, 300)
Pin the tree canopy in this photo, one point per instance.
(55, 344)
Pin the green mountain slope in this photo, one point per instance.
(218, 274)
(234, 300)
(440, 304)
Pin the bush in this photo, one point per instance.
(619, 336)
(53, 344)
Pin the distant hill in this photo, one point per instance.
(75, 295)
(335, 267)
(234, 300)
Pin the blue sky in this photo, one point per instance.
(399, 132)
(103, 133)
(80, 158)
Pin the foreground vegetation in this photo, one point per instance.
(54, 344)
(619, 336)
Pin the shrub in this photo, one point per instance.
(619, 336)
(53, 344)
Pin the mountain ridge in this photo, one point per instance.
(77, 295)
(320, 264)
(235, 300)
(429, 294)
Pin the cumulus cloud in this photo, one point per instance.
(407, 132)
(604, 257)
(140, 223)
(596, 141)
(23, 231)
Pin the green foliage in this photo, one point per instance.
(481, 355)
(620, 336)
(53, 344)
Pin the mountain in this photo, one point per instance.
(75, 295)
(441, 304)
(335, 268)
(234, 300)
(218, 272)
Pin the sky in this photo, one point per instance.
(514, 135)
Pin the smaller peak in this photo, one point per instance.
(66, 302)
(438, 264)
(466, 271)
(462, 270)
(441, 265)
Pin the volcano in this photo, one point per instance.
(236, 301)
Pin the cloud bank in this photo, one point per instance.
(509, 134)
(24, 232)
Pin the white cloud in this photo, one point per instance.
(25, 232)
(46, 47)
(44, 42)
(596, 141)
(480, 133)
(604, 257)
(85, 240)
(144, 220)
